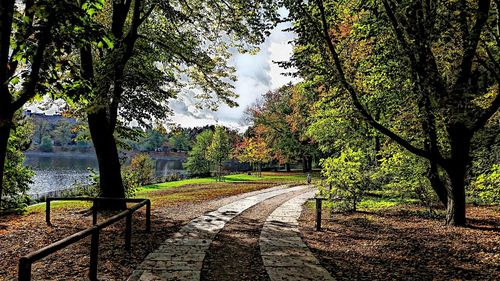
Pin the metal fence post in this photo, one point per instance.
(47, 211)
(128, 231)
(148, 216)
(24, 273)
(94, 254)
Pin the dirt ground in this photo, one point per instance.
(401, 244)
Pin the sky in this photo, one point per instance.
(256, 75)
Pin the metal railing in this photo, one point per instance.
(26, 261)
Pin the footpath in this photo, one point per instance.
(259, 231)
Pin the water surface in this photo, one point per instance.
(56, 172)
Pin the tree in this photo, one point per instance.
(347, 175)
(281, 117)
(254, 151)
(443, 65)
(46, 145)
(141, 168)
(35, 39)
(219, 150)
(152, 141)
(198, 163)
(154, 49)
(42, 128)
(62, 133)
(180, 141)
(17, 177)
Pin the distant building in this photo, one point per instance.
(51, 119)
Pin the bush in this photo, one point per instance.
(142, 168)
(92, 189)
(486, 188)
(46, 145)
(348, 177)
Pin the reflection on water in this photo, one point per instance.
(164, 167)
(56, 172)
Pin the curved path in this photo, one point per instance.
(234, 253)
(285, 255)
(200, 249)
(181, 257)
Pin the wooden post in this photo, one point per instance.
(94, 254)
(94, 212)
(47, 211)
(318, 213)
(148, 216)
(128, 231)
(24, 273)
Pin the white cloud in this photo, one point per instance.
(256, 74)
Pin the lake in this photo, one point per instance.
(60, 171)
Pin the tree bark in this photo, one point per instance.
(437, 184)
(455, 211)
(5, 124)
(456, 168)
(110, 180)
(287, 167)
(378, 157)
(304, 164)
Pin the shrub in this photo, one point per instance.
(142, 167)
(486, 188)
(348, 177)
(46, 145)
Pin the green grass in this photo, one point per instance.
(146, 191)
(375, 203)
(40, 207)
(370, 203)
(230, 178)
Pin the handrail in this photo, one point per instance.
(26, 261)
(94, 209)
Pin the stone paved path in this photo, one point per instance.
(234, 253)
(285, 255)
(181, 257)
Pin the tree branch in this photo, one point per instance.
(487, 113)
(29, 86)
(400, 34)
(6, 16)
(354, 95)
(471, 45)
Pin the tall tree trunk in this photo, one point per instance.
(304, 164)
(456, 168)
(5, 125)
(287, 167)
(437, 184)
(455, 211)
(110, 180)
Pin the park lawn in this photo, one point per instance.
(194, 190)
(202, 189)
